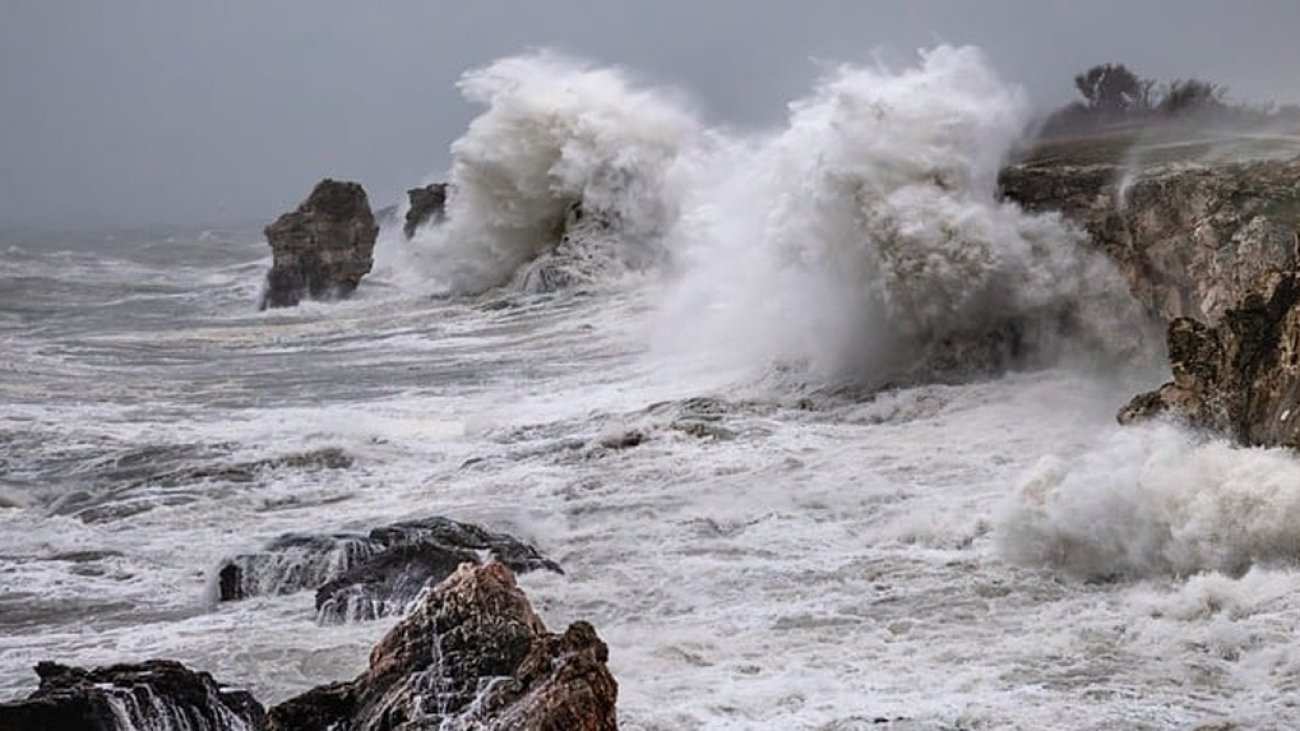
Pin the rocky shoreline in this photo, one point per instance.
(471, 654)
(1211, 250)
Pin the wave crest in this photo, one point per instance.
(560, 178)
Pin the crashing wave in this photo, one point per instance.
(560, 180)
(1153, 501)
(866, 239)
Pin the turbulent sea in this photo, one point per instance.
(760, 426)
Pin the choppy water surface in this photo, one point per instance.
(767, 532)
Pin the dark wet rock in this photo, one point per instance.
(359, 577)
(471, 655)
(428, 205)
(324, 248)
(291, 563)
(158, 694)
(591, 244)
(1212, 250)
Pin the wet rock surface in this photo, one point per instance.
(472, 655)
(360, 577)
(158, 694)
(324, 248)
(1213, 251)
(428, 205)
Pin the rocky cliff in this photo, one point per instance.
(1210, 249)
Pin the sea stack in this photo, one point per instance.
(324, 248)
(427, 204)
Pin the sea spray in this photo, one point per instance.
(865, 240)
(563, 151)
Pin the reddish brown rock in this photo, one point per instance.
(472, 655)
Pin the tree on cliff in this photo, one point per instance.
(1112, 87)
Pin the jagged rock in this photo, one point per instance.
(427, 204)
(1241, 378)
(158, 694)
(471, 655)
(364, 577)
(1212, 250)
(324, 248)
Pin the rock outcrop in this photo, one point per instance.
(1212, 250)
(428, 204)
(360, 577)
(158, 694)
(472, 655)
(323, 249)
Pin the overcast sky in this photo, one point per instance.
(135, 111)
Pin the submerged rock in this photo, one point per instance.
(360, 577)
(471, 655)
(428, 204)
(1212, 251)
(159, 694)
(324, 248)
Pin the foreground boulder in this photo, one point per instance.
(360, 577)
(158, 694)
(428, 204)
(472, 655)
(323, 249)
(1212, 250)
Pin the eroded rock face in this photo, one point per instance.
(1213, 251)
(324, 248)
(158, 694)
(428, 204)
(1190, 239)
(361, 577)
(472, 655)
(1242, 377)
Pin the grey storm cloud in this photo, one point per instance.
(205, 112)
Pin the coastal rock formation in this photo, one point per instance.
(1211, 249)
(359, 577)
(1190, 239)
(324, 248)
(1242, 377)
(427, 204)
(158, 694)
(472, 655)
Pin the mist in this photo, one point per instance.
(140, 112)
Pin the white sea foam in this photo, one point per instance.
(1156, 500)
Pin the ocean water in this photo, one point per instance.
(791, 479)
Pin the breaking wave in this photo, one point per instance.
(864, 239)
(1151, 500)
(560, 180)
(867, 239)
